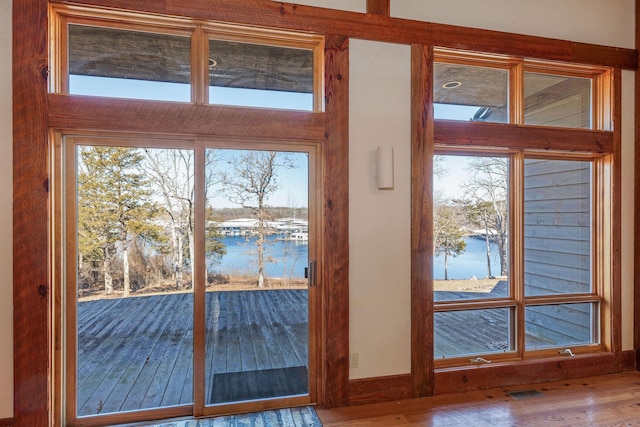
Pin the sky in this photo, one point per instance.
(179, 92)
(294, 191)
(294, 181)
(454, 174)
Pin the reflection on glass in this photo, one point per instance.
(129, 64)
(473, 332)
(254, 75)
(134, 282)
(552, 100)
(257, 244)
(470, 228)
(562, 325)
(557, 227)
(465, 92)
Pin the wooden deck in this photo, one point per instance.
(136, 353)
(486, 331)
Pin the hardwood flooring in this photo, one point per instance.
(609, 400)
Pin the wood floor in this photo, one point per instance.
(610, 400)
(136, 353)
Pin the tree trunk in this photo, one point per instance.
(285, 252)
(179, 260)
(446, 267)
(106, 270)
(175, 255)
(192, 252)
(125, 270)
(488, 243)
(260, 252)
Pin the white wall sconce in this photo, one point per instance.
(384, 167)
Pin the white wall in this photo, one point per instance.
(606, 22)
(6, 216)
(379, 220)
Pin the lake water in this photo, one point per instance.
(472, 262)
(239, 259)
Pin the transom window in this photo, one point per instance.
(175, 60)
(475, 87)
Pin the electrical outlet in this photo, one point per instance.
(353, 360)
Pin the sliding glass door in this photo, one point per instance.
(190, 275)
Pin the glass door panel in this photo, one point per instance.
(257, 297)
(133, 238)
(132, 339)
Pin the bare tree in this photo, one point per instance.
(448, 233)
(439, 169)
(289, 248)
(172, 173)
(488, 193)
(249, 181)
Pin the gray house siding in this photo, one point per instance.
(557, 247)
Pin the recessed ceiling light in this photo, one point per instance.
(452, 85)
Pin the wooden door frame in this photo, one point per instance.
(66, 308)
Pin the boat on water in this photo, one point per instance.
(301, 236)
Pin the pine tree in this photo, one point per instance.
(114, 203)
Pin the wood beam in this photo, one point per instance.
(93, 113)
(289, 16)
(335, 286)
(422, 134)
(636, 197)
(31, 287)
(479, 134)
(379, 7)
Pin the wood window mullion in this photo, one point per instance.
(516, 246)
(200, 281)
(199, 67)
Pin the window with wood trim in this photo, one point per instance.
(123, 56)
(521, 229)
(482, 88)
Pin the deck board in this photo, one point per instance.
(136, 353)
